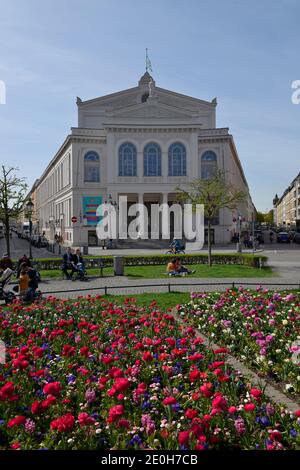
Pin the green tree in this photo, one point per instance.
(260, 217)
(214, 193)
(12, 195)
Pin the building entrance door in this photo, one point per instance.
(92, 238)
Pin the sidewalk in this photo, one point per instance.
(123, 285)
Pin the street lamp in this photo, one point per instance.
(29, 211)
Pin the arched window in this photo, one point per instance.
(91, 167)
(127, 159)
(208, 165)
(177, 159)
(152, 160)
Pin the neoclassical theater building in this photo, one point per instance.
(142, 142)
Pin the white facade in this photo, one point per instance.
(107, 154)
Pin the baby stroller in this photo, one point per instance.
(6, 295)
(80, 272)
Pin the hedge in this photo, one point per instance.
(152, 260)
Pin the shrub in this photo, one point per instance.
(159, 260)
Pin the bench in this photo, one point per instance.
(101, 266)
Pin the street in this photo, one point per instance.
(19, 247)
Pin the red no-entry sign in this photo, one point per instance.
(74, 220)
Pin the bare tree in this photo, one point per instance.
(12, 195)
(215, 194)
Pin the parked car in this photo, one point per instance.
(297, 237)
(283, 237)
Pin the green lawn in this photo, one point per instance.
(163, 300)
(201, 271)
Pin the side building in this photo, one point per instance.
(142, 142)
(287, 207)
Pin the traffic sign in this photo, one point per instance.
(74, 220)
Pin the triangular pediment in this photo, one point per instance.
(152, 109)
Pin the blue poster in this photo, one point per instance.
(90, 206)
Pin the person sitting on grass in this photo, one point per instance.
(180, 269)
(171, 267)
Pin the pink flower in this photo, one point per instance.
(85, 419)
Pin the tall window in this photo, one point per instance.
(127, 160)
(152, 160)
(208, 165)
(177, 159)
(91, 167)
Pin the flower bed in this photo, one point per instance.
(262, 328)
(87, 374)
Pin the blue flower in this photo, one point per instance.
(176, 407)
(293, 433)
(265, 421)
(146, 405)
(135, 440)
(71, 379)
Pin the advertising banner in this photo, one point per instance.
(90, 205)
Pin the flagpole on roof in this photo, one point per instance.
(148, 62)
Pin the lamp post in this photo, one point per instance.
(29, 211)
(239, 220)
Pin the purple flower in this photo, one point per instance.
(90, 395)
(240, 427)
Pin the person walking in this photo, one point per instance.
(67, 262)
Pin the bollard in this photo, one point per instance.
(118, 266)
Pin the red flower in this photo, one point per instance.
(17, 421)
(232, 409)
(15, 445)
(194, 375)
(169, 401)
(191, 414)
(249, 407)
(68, 350)
(256, 393)
(115, 413)
(64, 423)
(147, 356)
(121, 384)
(206, 389)
(52, 388)
(183, 437)
(221, 350)
(84, 351)
(275, 435)
(219, 402)
(297, 413)
(36, 407)
(6, 391)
